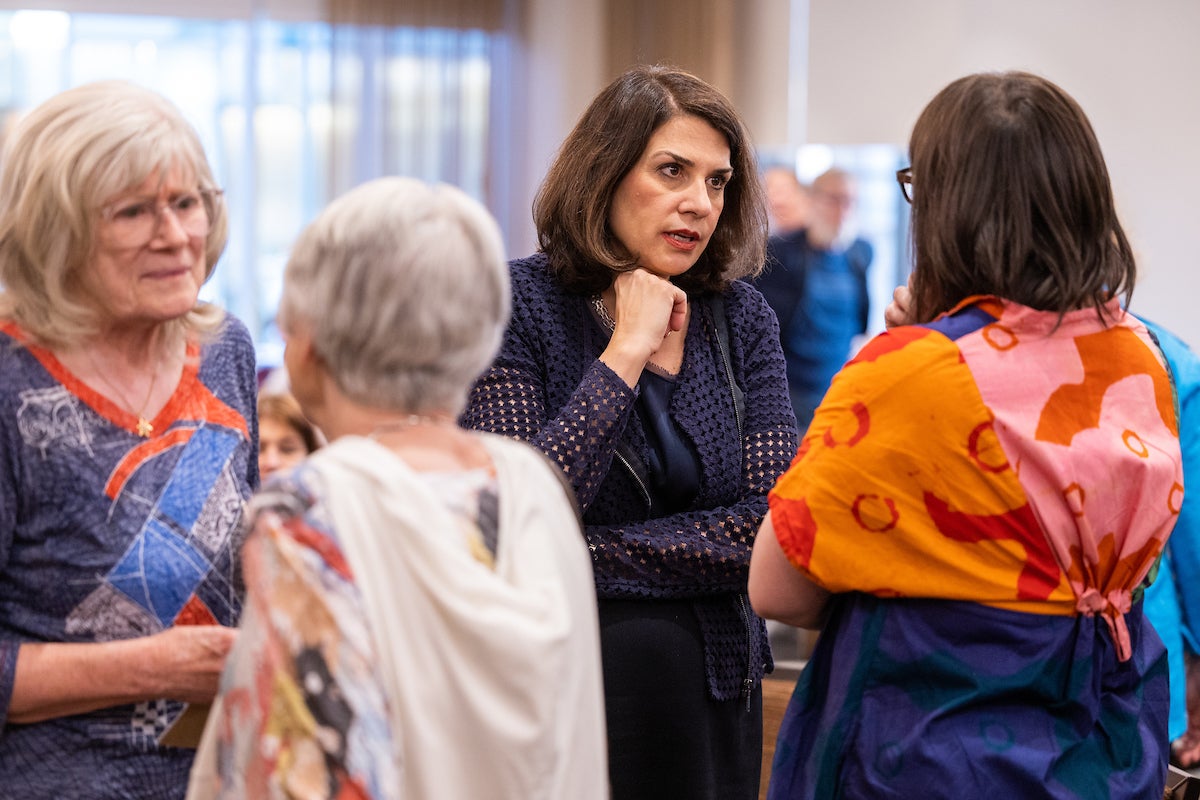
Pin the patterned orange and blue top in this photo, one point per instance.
(994, 476)
(1017, 465)
(108, 535)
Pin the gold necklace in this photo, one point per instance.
(143, 427)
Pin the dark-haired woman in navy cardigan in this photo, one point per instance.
(654, 378)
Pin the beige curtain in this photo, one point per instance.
(412, 89)
(696, 35)
(482, 14)
(740, 46)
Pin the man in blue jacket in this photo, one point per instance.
(816, 282)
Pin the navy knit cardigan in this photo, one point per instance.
(547, 387)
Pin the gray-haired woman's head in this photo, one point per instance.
(404, 289)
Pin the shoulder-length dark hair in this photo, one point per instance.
(571, 210)
(1011, 197)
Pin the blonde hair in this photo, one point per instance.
(61, 163)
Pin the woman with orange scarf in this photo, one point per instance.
(981, 496)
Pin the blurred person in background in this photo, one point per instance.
(285, 436)
(815, 280)
(1173, 600)
(127, 445)
(788, 201)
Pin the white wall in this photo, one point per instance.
(762, 87)
(1134, 67)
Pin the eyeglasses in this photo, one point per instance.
(904, 178)
(135, 220)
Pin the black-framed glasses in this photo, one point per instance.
(904, 178)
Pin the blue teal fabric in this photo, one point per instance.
(954, 722)
(1173, 601)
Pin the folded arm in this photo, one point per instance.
(692, 553)
(683, 555)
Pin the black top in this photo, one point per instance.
(673, 467)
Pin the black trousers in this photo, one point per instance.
(668, 739)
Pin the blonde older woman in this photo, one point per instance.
(420, 619)
(127, 445)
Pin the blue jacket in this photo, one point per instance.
(548, 387)
(821, 300)
(1173, 600)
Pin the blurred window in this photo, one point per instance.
(291, 114)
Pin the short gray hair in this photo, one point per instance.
(404, 289)
(61, 163)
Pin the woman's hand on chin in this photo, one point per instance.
(646, 309)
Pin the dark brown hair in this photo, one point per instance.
(571, 210)
(1011, 197)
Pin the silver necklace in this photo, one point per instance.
(598, 304)
(602, 311)
(407, 422)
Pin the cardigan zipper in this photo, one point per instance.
(747, 620)
(637, 479)
(737, 413)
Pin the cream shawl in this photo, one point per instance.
(492, 678)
